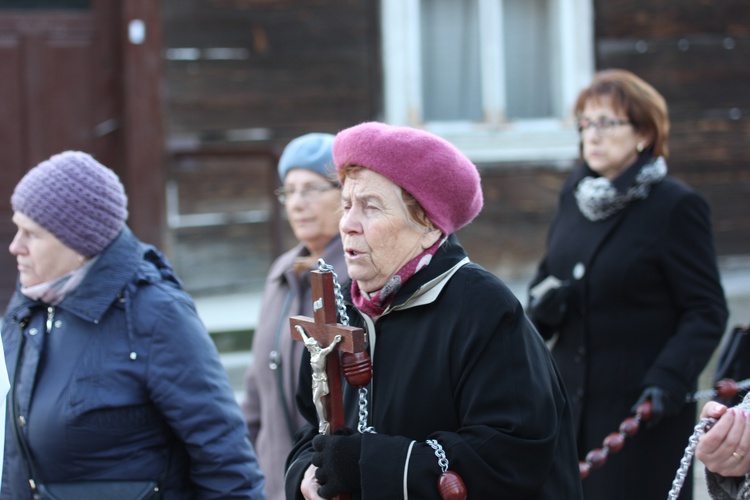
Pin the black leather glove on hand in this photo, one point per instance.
(337, 460)
(663, 404)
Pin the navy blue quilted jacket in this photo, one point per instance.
(120, 381)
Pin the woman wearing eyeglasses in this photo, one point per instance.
(312, 200)
(629, 289)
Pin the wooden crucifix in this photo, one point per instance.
(325, 339)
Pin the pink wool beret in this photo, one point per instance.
(441, 178)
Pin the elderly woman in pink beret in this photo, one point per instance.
(464, 400)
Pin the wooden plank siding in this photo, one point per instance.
(307, 65)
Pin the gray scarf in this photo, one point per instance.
(598, 199)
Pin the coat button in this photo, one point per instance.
(21, 420)
(274, 360)
(579, 270)
(58, 323)
(33, 331)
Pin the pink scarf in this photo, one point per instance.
(375, 304)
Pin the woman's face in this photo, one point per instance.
(313, 208)
(609, 141)
(378, 236)
(40, 256)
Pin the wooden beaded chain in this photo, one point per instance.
(725, 389)
(450, 484)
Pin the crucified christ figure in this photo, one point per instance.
(319, 376)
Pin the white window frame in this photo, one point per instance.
(494, 140)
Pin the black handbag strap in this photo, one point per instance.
(732, 353)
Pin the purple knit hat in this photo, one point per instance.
(76, 198)
(441, 178)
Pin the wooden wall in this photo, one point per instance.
(308, 65)
(314, 65)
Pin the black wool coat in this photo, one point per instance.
(455, 360)
(646, 307)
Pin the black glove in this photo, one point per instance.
(663, 404)
(337, 460)
(549, 309)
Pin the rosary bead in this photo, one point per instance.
(645, 410)
(629, 426)
(357, 368)
(596, 457)
(584, 468)
(615, 441)
(451, 486)
(726, 388)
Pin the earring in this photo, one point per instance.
(639, 147)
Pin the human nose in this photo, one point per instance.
(349, 222)
(591, 134)
(295, 199)
(16, 247)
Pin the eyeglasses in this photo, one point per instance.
(310, 192)
(602, 127)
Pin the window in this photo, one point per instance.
(498, 78)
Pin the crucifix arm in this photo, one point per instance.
(312, 343)
(332, 346)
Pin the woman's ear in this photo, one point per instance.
(430, 237)
(645, 141)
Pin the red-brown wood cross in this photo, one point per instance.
(321, 332)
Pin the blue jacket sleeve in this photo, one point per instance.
(189, 385)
